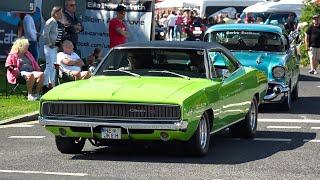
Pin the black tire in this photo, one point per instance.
(68, 145)
(200, 141)
(295, 92)
(247, 128)
(287, 103)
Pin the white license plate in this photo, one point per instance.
(110, 133)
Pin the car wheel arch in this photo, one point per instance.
(210, 113)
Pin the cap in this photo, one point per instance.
(315, 16)
(120, 8)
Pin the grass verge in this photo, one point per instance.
(16, 105)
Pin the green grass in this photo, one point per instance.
(16, 105)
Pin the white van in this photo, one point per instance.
(208, 7)
(275, 11)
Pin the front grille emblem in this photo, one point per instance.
(137, 111)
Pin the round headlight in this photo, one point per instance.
(278, 72)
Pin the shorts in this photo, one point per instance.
(24, 73)
(314, 53)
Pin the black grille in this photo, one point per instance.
(111, 110)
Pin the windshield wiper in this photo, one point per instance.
(173, 73)
(123, 71)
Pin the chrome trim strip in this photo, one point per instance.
(81, 118)
(181, 125)
(226, 126)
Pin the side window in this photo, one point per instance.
(222, 66)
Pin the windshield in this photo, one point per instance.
(248, 40)
(182, 63)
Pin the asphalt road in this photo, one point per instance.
(287, 147)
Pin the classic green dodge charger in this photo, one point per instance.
(156, 91)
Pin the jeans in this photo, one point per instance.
(33, 48)
(50, 71)
(177, 30)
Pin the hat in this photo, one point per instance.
(120, 8)
(315, 16)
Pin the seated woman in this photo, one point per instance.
(94, 59)
(21, 63)
(71, 63)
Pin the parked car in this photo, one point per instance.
(267, 48)
(156, 91)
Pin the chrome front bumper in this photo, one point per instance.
(277, 94)
(177, 125)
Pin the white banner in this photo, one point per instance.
(96, 24)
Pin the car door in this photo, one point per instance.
(232, 92)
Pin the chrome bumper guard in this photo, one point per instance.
(279, 95)
(178, 125)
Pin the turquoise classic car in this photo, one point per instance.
(267, 48)
(156, 91)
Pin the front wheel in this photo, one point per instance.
(286, 105)
(247, 128)
(68, 145)
(200, 140)
(295, 92)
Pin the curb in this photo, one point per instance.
(22, 118)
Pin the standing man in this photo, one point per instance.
(312, 40)
(31, 34)
(118, 32)
(71, 23)
(171, 20)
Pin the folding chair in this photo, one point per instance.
(20, 81)
(61, 77)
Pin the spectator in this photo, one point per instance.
(71, 63)
(238, 19)
(52, 36)
(290, 25)
(249, 18)
(179, 24)
(171, 21)
(312, 40)
(30, 32)
(259, 20)
(71, 23)
(118, 32)
(21, 63)
(94, 59)
(190, 35)
(220, 19)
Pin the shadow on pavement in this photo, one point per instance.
(224, 150)
(304, 105)
(303, 77)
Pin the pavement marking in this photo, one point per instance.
(272, 139)
(284, 127)
(315, 127)
(16, 126)
(312, 140)
(290, 120)
(46, 173)
(26, 137)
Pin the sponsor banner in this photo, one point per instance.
(96, 20)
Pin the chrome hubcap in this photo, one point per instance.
(203, 133)
(253, 115)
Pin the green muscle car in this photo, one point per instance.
(156, 91)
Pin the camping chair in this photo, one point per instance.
(20, 81)
(61, 77)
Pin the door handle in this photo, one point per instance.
(241, 84)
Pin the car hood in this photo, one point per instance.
(146, 89)
(263, 61)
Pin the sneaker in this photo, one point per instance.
(315, 72)
(31, 97)
(37, 96)
(311, 71)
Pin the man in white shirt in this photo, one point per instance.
(70, 62)
(171, 21)
(30, 32)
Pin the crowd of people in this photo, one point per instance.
(183, 22)
(60, 36)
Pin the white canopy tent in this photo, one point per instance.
(177, 4)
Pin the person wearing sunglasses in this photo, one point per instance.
(118, 32)
(71, 22)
